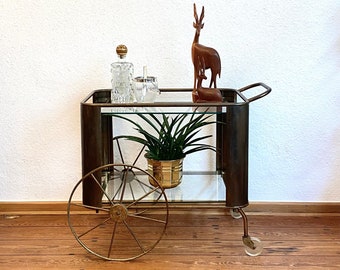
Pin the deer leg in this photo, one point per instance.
(195, 79)
(213, 80)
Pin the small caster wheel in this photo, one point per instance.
(253, 246)
(235, 213)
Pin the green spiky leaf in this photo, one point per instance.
(170, 137)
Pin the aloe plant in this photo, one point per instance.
(171, 137)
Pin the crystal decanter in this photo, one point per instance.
(122, 75)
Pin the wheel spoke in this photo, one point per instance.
(112, 239)
(90, 230)
(90, 207)
(120, 151)
(141, 198)
(138, 155)
(131, 191)
(147, 218)
(117, 192)
(104, 192)
(123, 185)
(134, 236)
(143, 185)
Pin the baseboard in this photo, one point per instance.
(33, 207)
(254, 207)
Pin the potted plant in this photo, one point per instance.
(169, 141)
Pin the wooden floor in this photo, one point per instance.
(194, 239)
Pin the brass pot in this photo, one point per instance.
(168, 173)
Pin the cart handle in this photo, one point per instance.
(261, 95)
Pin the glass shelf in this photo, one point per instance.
(170, 101)
(195, 187)
(200, 182)
(159, 110)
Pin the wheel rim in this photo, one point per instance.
(131, 220)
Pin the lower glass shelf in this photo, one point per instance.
(195, 187)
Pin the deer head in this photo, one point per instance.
(198, 25)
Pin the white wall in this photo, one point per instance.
(55, 52)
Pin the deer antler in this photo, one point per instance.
(196, 16)
(202, 14)
(198, 21)
(195, 13)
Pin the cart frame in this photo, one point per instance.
(232, 136)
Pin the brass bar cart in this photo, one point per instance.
(113, 199)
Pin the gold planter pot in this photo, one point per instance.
(167, 172)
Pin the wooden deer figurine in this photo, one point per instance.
(203, 94)
(209, 55)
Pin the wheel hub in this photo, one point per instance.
(118, 212)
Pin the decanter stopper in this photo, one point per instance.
(121, 50)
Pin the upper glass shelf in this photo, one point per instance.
(162, 110)
(177, 101)
(169, 101)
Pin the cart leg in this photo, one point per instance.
(253, 246)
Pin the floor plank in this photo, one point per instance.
(195, 239)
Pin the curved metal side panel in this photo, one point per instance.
(104, 96)
(96, 133)
(229, 96)
(235, 155)
(91, 145)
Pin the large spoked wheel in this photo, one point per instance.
(131, 219)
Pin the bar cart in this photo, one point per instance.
(113, 203)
